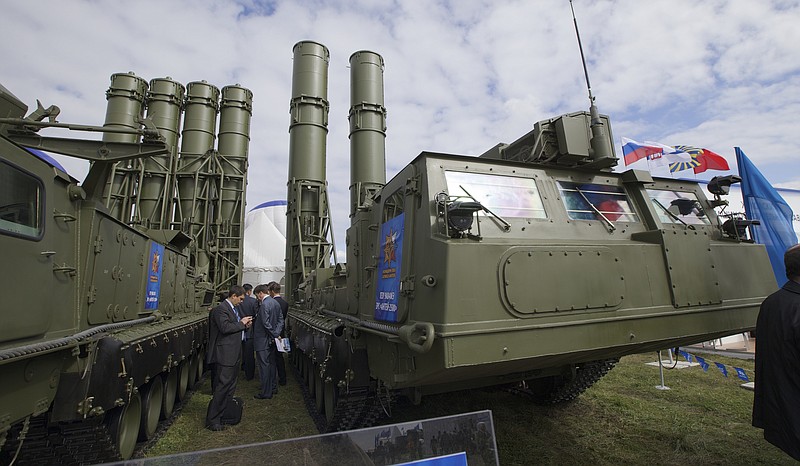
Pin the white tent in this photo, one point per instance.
(265, 243)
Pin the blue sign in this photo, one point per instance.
(456, 459)
(387, 291)
(154, 266)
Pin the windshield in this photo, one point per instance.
(587, 201)
(506, 196)
(678, 207)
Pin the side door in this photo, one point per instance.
(26, 273)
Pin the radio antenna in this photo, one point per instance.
(600, 143)
(583, 58)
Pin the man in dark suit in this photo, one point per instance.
(269, 325)
(225, 333)
(248, 307)
(275, 292)
(776, 404)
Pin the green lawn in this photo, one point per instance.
(704, 419)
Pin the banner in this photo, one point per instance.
(763, 203)
(387, 291)
(741, 373)
(154, 264)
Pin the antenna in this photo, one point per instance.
(600, 144)
(583, 58)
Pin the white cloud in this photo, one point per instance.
(460, 76)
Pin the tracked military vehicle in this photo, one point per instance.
(533, 265)
(108, 281)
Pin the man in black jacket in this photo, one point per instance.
(776, 405)
(225, 334)
(275, 292)
(248, 307)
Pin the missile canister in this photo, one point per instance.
(367, 128)
(306, 244)
(234, 140)
(309, 108)
(199, 124)
(125, 106)
(164, 106)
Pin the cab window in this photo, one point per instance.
(393, 205)
(588, 201)
(505, 196)
(20, 202)
(678, 207)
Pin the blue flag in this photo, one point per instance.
(740, 372)
(722, 368)
(763, 203)
(685, 355)
(702, 363)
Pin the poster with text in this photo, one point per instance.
(154, 276)
(387, 292)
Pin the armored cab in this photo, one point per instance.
(533, 265)
(107, 292)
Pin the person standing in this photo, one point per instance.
(269, 326)
(225, 333)
(776, 403)
(248, 307)
(280, 364)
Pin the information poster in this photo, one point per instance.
(153, 288)
(387, 292)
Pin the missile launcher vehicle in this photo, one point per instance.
(532, 266)
(108, 282)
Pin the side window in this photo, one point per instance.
(587, 201)
(393, 206)
(20, 202)
(678, 207)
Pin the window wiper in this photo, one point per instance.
(608, 222)
(506, 225)
(658, 203)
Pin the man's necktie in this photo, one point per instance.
(236, 313)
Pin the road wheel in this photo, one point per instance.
(152, 397)
(331, 400)
(194, 360)
(310, 378)
(170, 389)
(201, 364)
(319, 390)
(123, 425)
(183, 379)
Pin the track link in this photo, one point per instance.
(561, 389)
(354, 410)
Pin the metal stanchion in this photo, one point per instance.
(661, 372)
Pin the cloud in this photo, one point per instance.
(460, 76)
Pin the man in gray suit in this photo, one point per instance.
(225, 333)
(269, 325)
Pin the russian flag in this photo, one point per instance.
(633, 151)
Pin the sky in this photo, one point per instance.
(460, 75)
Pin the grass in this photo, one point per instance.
(703, 419)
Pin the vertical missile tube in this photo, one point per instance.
(164, 107)
(307, 213)
(234, 140)
(367, 118)
(125, 106)
(308, 129)
(192, 172)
